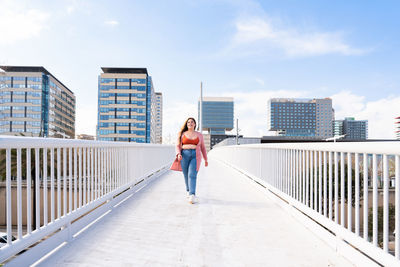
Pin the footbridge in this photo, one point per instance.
(89, 203)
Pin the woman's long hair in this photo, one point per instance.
(185, 128)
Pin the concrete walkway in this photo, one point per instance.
(233, 224)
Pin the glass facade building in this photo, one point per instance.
(353, 129)
(35, 103)
(301, 117)
(217, 114)
(125, 97)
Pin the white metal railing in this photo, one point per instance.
(71, 178)
(314, 178)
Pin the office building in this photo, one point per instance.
(33, 102)
(301, 117)
(125, 105)
(324, 116)
(351, 128)
(158, 117)
(217, 114)
(397, 125)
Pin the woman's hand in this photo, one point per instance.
(179, 157)
(206, 163)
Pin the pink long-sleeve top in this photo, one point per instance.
(200, 149)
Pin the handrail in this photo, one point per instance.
(65, 179)
(14, 142)
(315, 179)
(384, 147)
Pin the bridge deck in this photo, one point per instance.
(233, 224)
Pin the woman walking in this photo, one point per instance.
(189, 148)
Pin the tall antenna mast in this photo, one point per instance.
(201, 108)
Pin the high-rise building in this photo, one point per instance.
(301, 117)
(33, 102)
(351, 128)
(217, 114)
(125, 105)
(158, 117)
(324, 115)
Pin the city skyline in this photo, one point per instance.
(249, 50)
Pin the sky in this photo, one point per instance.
(248, 50)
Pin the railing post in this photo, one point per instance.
(325, 185)
(37, 185)
(45, 188)
(335, 154)
(307, 176)
(349, 193)
(320, 182)
(374, 201)
(8, 195)
(365, 210)
(58, 182)
(19, 194)
(385, 203)
(28, 192)
(397, 207)
(65, 177)
(330, 186)
(304, 175)
(357, 192)
(52, 185)
(342, 193)
(315, 181)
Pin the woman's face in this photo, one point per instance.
(191, 124)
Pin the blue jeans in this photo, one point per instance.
(189, 165)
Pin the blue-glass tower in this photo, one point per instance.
(125, 98)
(217, 114)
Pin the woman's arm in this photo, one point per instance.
(203, 147)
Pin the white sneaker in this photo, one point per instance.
(192, 199)
(187, 194)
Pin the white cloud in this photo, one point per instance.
(112, 23)
(20, 23)
(174, 115)
(70, 9)
(260, 81)
(78, 6)
(86, 119)
(257, 35)
(380, 113)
